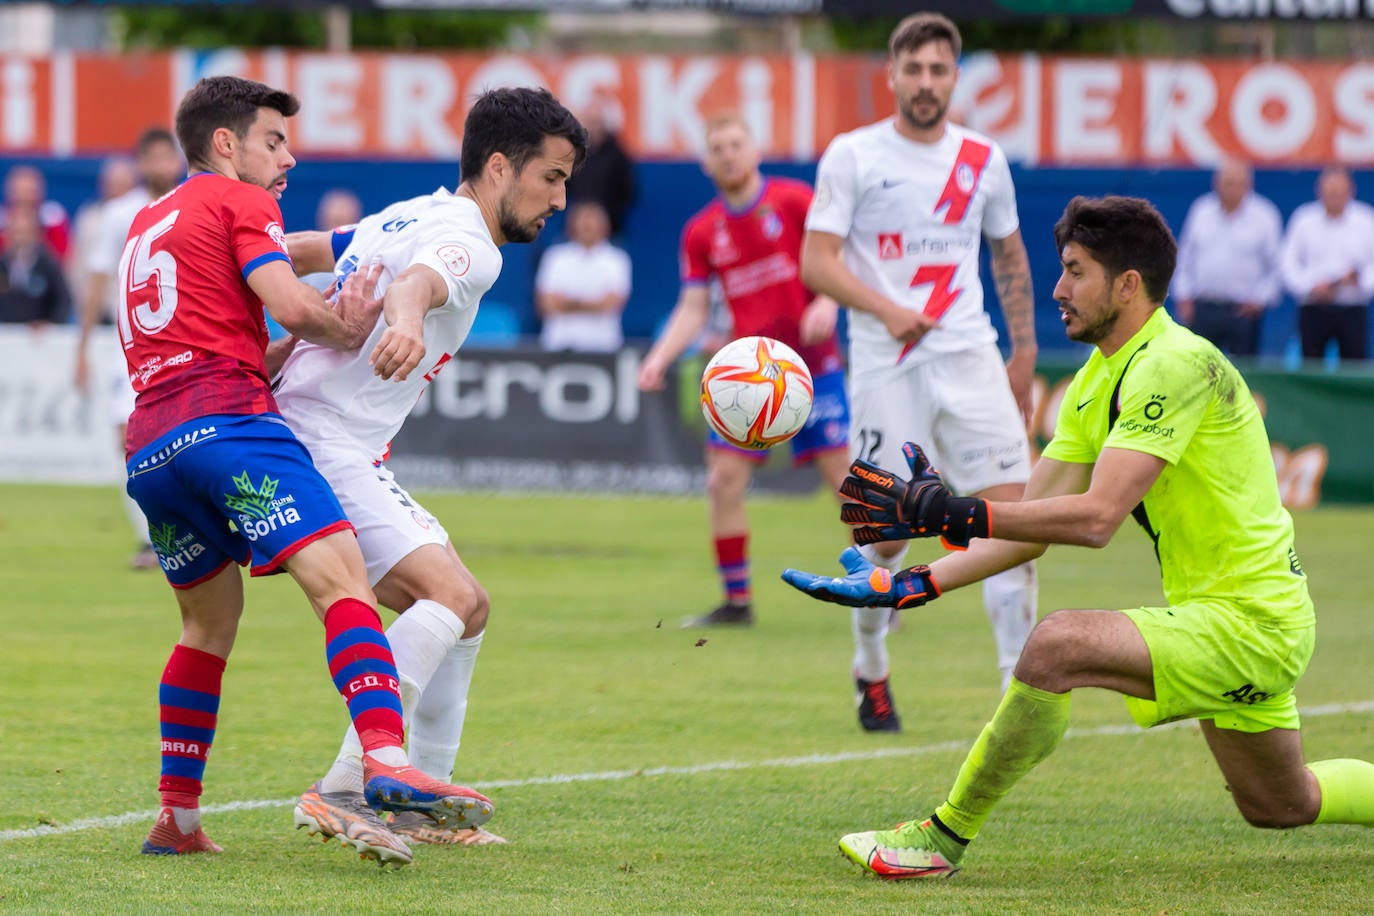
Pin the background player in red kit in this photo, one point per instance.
(749, 238)
(217, 472)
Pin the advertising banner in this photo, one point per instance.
(564, 422)
(527, 420)
(1042, 109)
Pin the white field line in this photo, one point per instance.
(135, 817)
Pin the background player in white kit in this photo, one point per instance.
(893, 234)
(160, 167)
(439, 256)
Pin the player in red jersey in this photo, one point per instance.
(222, 479)
(749, 239)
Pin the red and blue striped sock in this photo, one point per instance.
(732, 560)
(364, 672)
(188, 697)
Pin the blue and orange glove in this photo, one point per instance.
(886, 507)
(867, 585)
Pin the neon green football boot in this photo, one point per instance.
(915, 849)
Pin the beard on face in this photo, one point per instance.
(513, 229)
(909, 112)
(1099, 329)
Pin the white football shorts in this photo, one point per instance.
(958, 408)
(390, 522)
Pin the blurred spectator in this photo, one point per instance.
(27, 189)
(1228, 261)
(1328, 266)
(582, 286)
(607, 177)
(159, 167)
(338, 207)
(118, 176)
(32, 288)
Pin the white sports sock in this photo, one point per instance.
(420, 640)
(1010, 599)
(869, 625)
(437, 730)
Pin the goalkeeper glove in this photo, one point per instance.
(867, 585)
(887, 508)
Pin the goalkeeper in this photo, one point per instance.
(1157, 425)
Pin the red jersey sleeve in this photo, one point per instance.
(694, 268)
(255, 230)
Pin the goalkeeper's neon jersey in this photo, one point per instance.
(1219, 527)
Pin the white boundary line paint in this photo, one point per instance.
(134, 817)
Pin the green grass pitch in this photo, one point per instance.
(635, 770)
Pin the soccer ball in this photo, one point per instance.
(756, 392)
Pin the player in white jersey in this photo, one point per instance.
(439, 255)
(893, 234)
(160, 167)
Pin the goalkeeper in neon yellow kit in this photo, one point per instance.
(1159, 426)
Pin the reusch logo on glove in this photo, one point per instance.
(881, 480)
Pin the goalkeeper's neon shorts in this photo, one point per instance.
(225, 489)
(826, 428)
(1213, 662)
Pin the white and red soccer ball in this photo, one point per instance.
(756, 392)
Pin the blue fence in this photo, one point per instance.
(670, 192)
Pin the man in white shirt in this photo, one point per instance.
(160, 166)
(1228, 261)
(582, 286)
(439, 255)
(1328, 266)
(893, 234)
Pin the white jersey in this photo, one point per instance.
(912, 216)
(332, 398)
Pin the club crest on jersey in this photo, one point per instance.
(278, 235)
(964, 177)
(889, 246)
(455, 258)
(770, 223)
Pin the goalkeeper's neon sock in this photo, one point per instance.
(1026, 729)
(188, 710)
(916, 849)
(732, 562)
(1347, 791)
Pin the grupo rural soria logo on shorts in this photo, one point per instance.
(455, 258)
(260, 510)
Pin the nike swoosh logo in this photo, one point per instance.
(892, 182)
(1087, 402)
(1006, 465)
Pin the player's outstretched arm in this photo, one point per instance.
(885, 507)
(415, 291)
(311, 252)
(302, 311)
(1011, 275)
(866, 585)
(685, 324)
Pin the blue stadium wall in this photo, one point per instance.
(670, 192)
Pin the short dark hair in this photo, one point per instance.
(1122, 233)
(225, 101)
(151, 137)
(921, 28)
(514, 122)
